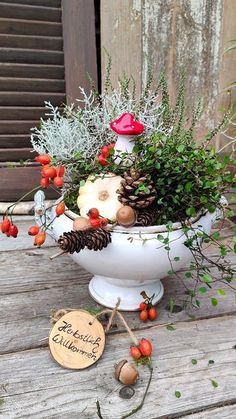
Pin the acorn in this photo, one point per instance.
(126, 373)
(126, 216)
(81, 223)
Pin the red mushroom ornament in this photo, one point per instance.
(127, 128)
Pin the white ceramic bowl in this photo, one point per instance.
(134, 261)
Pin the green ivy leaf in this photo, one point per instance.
(202, 290)
(207, 278)
(181, 148)
(194, 361)
(214, 301)
(211, 362)
(170, 327)
(214, 383)
(177, 258)
(221, 292)
(177, 394)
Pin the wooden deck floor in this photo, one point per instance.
(32, 385)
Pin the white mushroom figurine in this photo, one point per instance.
(127, 129)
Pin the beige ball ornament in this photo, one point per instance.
(100, 192)
(126, 373)
(81, 223)
(126, 216)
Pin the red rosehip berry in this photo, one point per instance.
(102, 160)
(44, 182)
(93, 213)
(105, 150)
(143, 315)
(39, 239)
(58, 182)
(60, 171)
(13, 230)
(60, 208)
(43, 159)
(142, 306)
(49, 172)
(152, 313)
(5, 225)
(135, 352)
(95, 222)
(103, 222)
(33, 230)
(145, 347)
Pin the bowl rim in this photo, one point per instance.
(150, 229)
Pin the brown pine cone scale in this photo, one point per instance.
(72, 241)
(93, 239)
(131, 192)
(147, 217)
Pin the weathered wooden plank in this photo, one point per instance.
(16, 181)
(21, 290)
(30, 12)
(21, 112)
(78, 21)
(31, 85)
(43, 396)
(14, 141)
(125, 38)
(32, 42)
(16, 154)
(30, 98)
(45, 3)
(17, 127)
(31, 56)
(167, 24)
(30, 27)
(32, 70)
(224, 412)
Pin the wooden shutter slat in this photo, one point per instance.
(16, 154)
(15, 141)
(29, 12)
(16, 181)
(32, 70)
(45, 3)
(31, 56)
(31, 85)
(22, 113)
(30, 98)
(31, 42)
(30, 27)
(17, 127)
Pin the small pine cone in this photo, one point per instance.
(72, 241)
(131, 192)
(97, 239)
(146, 217)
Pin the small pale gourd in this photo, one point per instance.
(101, 193)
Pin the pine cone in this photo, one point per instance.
(72, 241)
(128, 194)
(97, 239)
(147, 217)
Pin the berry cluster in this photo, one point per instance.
(7, 227)
(40, 235)
(53, 173)
(106, 152)
(95, 220)
(147, 309)
(142, 350)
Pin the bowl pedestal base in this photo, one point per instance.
(106, 291)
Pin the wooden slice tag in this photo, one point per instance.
(77, 340)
